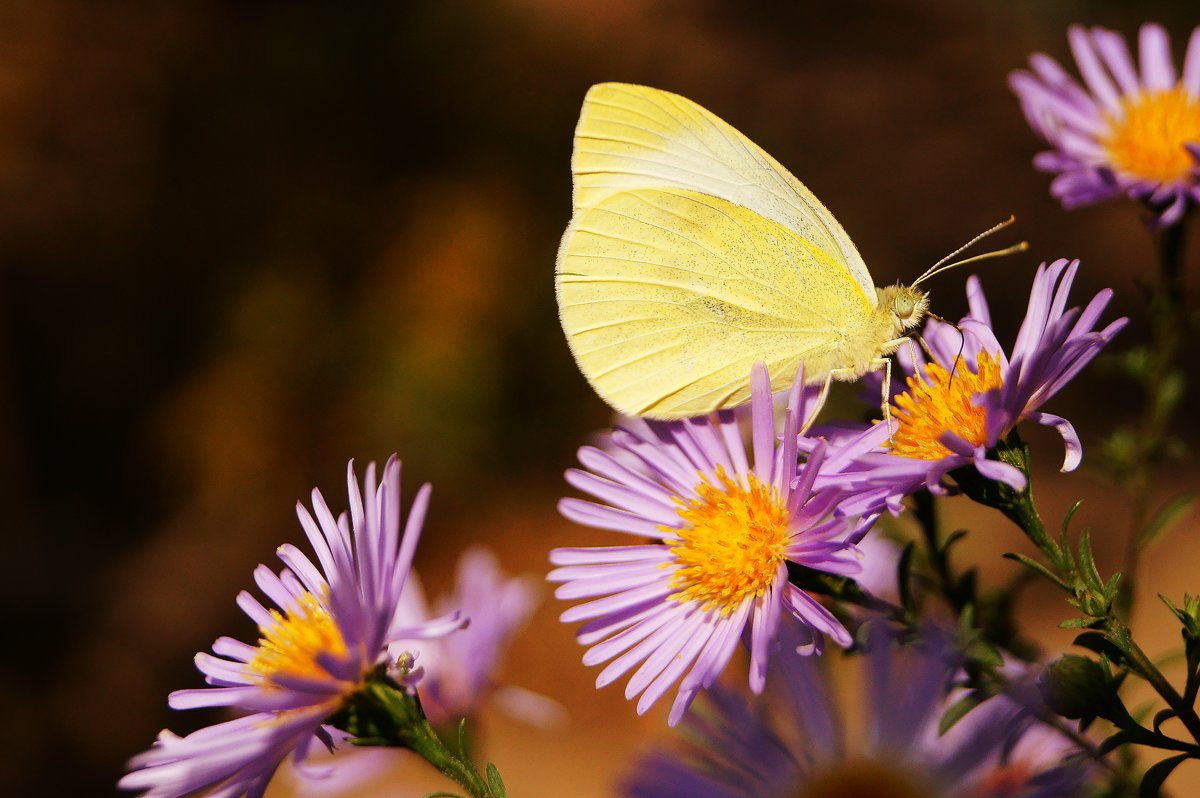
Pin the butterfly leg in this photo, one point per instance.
(885, 390)
(819, 403)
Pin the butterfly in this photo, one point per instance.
(691, 254)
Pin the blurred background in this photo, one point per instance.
(243, 242)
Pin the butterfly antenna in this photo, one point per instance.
(943, 265)
(962, 344)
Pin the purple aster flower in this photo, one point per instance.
(943, 422)
(723, 533)
(459, 670)
(1131, 131)
(800, 744)
(332, 627)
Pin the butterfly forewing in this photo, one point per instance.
(632, 137)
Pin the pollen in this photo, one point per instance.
(292, 644)
(1147, 138)
(943, 403)
(731, 544)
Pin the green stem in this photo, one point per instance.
(1141, 664)
(383, 713)
(1167, 306)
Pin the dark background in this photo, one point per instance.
(242, 242)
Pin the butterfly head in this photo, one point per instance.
(907, 305)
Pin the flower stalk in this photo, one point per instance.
(384, 713)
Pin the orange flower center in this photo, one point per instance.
(291, 645)
(731, 544)
(943, 403)
(1146, 138)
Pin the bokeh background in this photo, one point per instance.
(242, 242)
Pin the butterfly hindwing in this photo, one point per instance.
(669, 295)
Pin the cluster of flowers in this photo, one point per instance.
(726, 520)
(729, 521)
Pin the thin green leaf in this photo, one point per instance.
(1067, 523)
(1166, 517)
(1035, 566)
(495, 783)
(1162, 716)
(958, 710)
(1114, 742)
(1077, 623)
(903, 569)
(1087, 562)
(950, 540)
(984, 652)
(1157, 774)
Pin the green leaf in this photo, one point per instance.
(1167, 515)
(495, 783)
(1087, 563)
(985, 653)
(1067, 523)
(1114, 742)
(950, 540)
(1157, 774)
(958, 710)
(1035, 566)
(1096, 641)
(1078, 623)
(903, 570)
(1161, 716)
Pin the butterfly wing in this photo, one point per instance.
(668, 296)
(637, 137)
(690, 255)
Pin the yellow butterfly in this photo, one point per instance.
(691, 254)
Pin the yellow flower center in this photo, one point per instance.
(942, 403)
(1146, 140)
(858, 778)
(731, 544)
(292, 643)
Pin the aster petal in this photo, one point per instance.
(1154, 50)
(609, 554)
(1091, 69)
(1074, 449)
(616, 603)
(998, 471)
(1115, 52)
(637, 653)
(977, 302)
(619, 643)
(624, 497)
(1191, 65)
(669, 658)
(603, 517)
(763, 426)
(603, 582)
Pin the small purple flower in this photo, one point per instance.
(724, 533)
(1129, 132)
(799, 743)
(332, 627)
(945, 421)
(459, 670)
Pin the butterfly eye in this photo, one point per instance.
(903, 306)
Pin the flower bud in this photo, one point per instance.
(1076, 687)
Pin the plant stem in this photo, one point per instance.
(1120, 635)
(1167, 307)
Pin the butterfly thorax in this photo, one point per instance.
(898, 310)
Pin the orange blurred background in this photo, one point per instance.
(243, 242)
